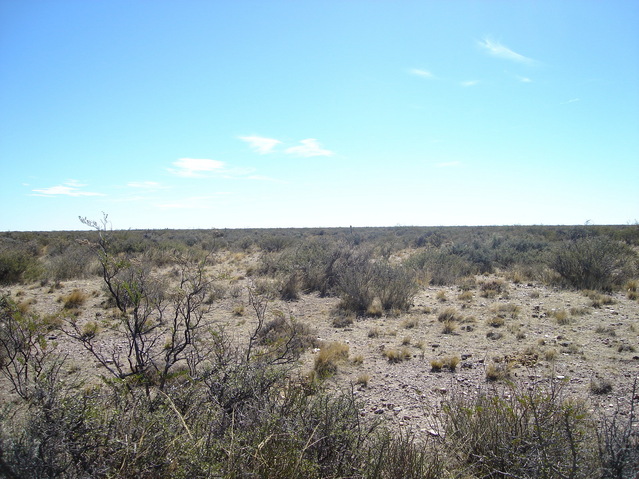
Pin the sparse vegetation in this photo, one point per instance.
(497, 371)
(397, 355)
(449, 327)
(74, 299)
(329, 357)
(597, 263)
(449, 314)
(600, 386)
(213, 394)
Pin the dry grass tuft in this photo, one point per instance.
(409, 323)
(397, 355)
(561, 316)
(449, 327)
(449, 314)
(362, 380)
(74, 299)
(497, 371)
(329, 357)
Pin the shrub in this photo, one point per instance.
(16, 265)
(440, 265)
(285, 337)
(597, 263)
(522, 433)
(361, 282)
(25, 353)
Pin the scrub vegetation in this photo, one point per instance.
(130, 372)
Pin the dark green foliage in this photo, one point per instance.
(596, 263)
(15, 265)
(360, 281)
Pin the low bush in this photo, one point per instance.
(360, 282)
(596, 263)
(440, 266)
(16, 266)
(521, 433)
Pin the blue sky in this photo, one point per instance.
(213, 114)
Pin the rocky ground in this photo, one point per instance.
(534, 332)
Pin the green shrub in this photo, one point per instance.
(361, 282)
(522, 433)
(441, 266)
(16, 266)
(596, 263)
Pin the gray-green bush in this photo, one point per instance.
(598, 263)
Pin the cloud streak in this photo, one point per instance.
(69, 188)
(261, 144)
(496, 49)
(308, 148)
(195, 167)
(421, 73)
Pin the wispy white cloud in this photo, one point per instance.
(469, 83)
(307, 148)
(498, 50)
(573, 100)
(260, 144)
(195, 167)
(524, 79)
(421, 73)
(68, 188)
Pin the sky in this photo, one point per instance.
(269, 113)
